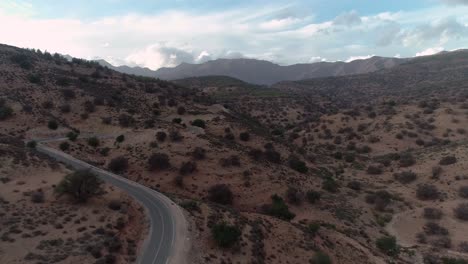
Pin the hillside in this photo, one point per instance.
(263, 72)
(341, 169)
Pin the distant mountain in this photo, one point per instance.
(129, 70)
(263, 72)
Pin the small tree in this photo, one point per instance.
(118, 164)
(448, 160)
(298, 165)
(294, 196)
(225, 235)
(199, 153)
(220, 193)
(313, 196)
(158, 161)
(427, 192)
(31, 144)
(321, 258)
(278, 208)
(188, 168)
(81, 185)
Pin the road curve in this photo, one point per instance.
(167, 241)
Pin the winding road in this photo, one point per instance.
(167, 241)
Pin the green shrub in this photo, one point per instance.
(72, 136)
(158, 161)
(120, 139)
(93, 142)
(298, 165)
(52, 125)
(244, 136)
(278, 208)
(313, 196)
(388, 245)
(220, 193)
(118, 164)
(329, 184)
(225, 235)
(313, 228)
(321, 258)
(64, 146)
(5, 112)
(31, 144)
(199, 123)
(81, 185)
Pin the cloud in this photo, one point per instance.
(364, 57)
(348, 19)
(443, 30)
(317, 59)
(277, 24)
(430, 51)
(157, 56)
(455, 2)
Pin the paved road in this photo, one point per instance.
(167, 241)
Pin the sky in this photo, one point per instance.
(165, 33)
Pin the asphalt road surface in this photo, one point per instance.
(167, 241)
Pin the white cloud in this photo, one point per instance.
(277, 24)
(364, 57)
(429, 51)
(348, 19)
(317, 59)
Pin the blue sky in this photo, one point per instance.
(163, 33)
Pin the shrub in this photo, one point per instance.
(278, 208)
(198, 123)
(37, 197)
(120, 139)
(432, 213)
(52, 124)
(115, 205)
(64, 146)
(313, 196)
(329, 184)
(181, 110)
(220, 193)
(427, 192)
(321, 258)
(177, 120)
(225, 235)
(81, 185)
(188, 168)
(68, 94)
(93, 142)
(294, 196)
(161, 136)
(89, 107)
(48, 105)
(232, 160)
(407, 160)
(66, 108)
(382, 200)
(313, 228)
(22, 60)
(229, 136)
(354, 185)
(405, 177)
(463, 191)
(388, 245)
(175, 136)
(199, 153)
(273, 156)
(72, 136)
(461, 211)
(298, 165)
(31, 144)
(118, 164)
(374, 170)
(244, 136)
(126, 120)
(436, 171)
(158, 161)
(448, 160)
(432, 228)
(35, 78)
(256, 154)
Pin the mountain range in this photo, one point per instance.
(261, 71)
